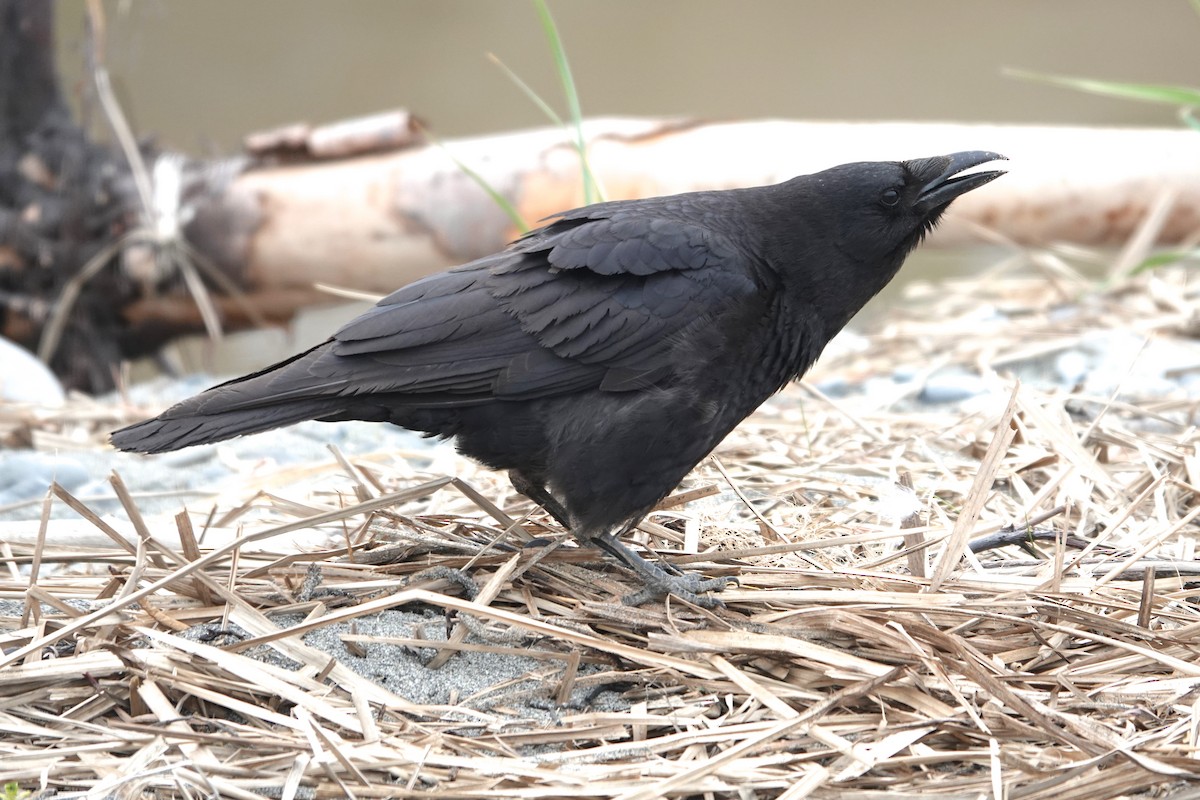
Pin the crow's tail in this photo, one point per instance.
(270, 398)
(176, 428)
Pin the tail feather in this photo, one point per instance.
(173, 431)
(250, 404)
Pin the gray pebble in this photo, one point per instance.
(835, 387)
(180, 476)
(26, 474)
(951, 386)
(1190, 381)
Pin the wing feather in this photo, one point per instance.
(614, 290)
(592, 301)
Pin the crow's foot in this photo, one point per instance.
(689, 586)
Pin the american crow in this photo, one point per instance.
(601, 357)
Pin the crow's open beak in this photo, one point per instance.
(945, 183)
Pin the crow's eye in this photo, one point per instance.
(890, 197)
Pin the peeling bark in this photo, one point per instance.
(375, 222)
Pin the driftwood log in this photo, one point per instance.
(102, 261)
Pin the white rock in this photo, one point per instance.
(24, 379)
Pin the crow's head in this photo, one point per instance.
(932, 183)
(878, 211)
(852, 226)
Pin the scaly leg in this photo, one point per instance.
(659, 581)
(689, 586)
(539, 494)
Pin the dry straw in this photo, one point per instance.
(873, 647)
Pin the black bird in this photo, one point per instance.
(601, 357)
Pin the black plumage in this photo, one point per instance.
(602, 356)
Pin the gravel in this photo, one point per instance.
(1099, 364)
(164, 483)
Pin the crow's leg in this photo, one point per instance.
(689, 586)
(538, 493)
(659, 581)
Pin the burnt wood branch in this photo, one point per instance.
(62, 199)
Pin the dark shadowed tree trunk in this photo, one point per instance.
(61, 201)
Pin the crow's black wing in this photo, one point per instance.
(612, 290)
(599, 299)
(585, 302)
(441, 339)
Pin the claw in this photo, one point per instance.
(689, 586)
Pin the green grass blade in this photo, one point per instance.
(1163, 259)
(1149, 93)
(1196, 6)
(590, 191)
(550, 113)
(497, 198)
